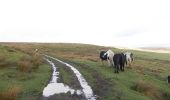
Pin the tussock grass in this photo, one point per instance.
(37, 60)
(25, 65)
(30, 63)
(148, 89)
(6, 62)
(3, 61)
(11, 93)
(18, 61)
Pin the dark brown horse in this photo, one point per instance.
(119, 60)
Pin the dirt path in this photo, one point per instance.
(103, 86)
(56, 90)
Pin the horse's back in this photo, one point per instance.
(119, 58)
(116, 58)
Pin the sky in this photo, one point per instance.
(118, 23)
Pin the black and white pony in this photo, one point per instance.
(103, 56)
(129, 58)
(107, 56)
(119, 60)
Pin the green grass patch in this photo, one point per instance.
(28, 86)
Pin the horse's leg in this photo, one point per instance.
(115, 68)
(108, 61)
(130, 62)
(102, 61)
(112, 63)
(118, 68)
(126, 63)
(123, 67)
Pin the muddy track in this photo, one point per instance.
(74, 83)
(103, 86)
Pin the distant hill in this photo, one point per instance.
(157, 49)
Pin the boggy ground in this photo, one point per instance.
(67, 77)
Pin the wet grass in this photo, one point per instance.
(151, 68)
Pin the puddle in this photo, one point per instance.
(86, 88)
(56, 88)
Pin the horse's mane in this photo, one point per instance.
(109, 51)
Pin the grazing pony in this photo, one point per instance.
(103, 56)
(119, 61)
(129, 58)
(110, 55)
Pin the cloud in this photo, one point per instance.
(129, 33)
(110, 23)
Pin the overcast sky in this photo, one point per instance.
(121, 23)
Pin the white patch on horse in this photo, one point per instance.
(110, 55)
(128, 58)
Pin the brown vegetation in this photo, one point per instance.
(29, 63)
(11, 93)
(37, 60)
(3, 61)
(25, 65)
(148, 89)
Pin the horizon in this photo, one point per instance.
(134, 48)
(129, 24)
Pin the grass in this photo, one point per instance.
(37, 60)
(3, 61)
(148, 89)
(151, 68)
(15, 81)
(25, 65)
(11, 93)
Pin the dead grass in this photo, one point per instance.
(148, 89)
(25, 48)
(25, 65)
(30, 63)
(3, 61)
(11, 93)
(37, 60)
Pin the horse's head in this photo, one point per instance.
(131, 55)
(103, 55)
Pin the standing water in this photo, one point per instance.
(53, 87)
(86, 88)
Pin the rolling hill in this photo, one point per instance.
(144, 80)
